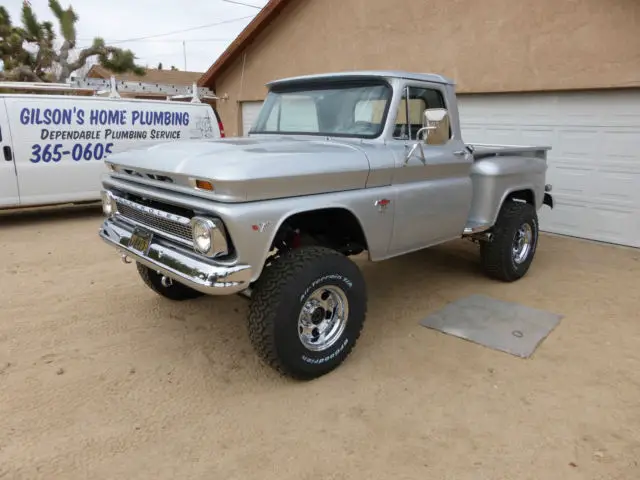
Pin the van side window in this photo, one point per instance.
(419, 100)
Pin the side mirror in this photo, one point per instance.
(435, 131)
(436, 126)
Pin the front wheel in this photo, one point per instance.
(167, 288)
(307, 311)
(509, 253)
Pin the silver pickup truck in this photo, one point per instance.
(335, 165)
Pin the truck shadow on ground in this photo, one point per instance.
(46, 215)
(216, 326)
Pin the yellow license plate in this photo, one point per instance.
(140, 240)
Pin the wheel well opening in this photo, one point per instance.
(335, 228)
(523, 195)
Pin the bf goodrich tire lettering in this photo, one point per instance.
(277, 302)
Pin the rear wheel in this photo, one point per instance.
(509, 254)
(307, 311)
(168, 288)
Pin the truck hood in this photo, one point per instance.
(247, 169)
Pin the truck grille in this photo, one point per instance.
(158, 221)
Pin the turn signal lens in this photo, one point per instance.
(204, 185)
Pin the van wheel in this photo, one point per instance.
(508, 255)
(170, 289)
(307, 310)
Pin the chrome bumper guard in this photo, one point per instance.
(189, 269)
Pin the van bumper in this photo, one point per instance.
(178, 264)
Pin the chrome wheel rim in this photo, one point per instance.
(522, 243)
(323, 318)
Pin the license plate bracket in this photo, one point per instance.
(140, 240)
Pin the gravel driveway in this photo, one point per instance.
(101, 378)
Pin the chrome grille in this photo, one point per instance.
(159, 221)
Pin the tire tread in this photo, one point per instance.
(495, 262)
(265, 300)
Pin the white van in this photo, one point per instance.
(53, 146)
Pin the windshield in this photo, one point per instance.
(344, 109)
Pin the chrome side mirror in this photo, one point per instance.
(435, 126)
(435, 131)
(435, 115)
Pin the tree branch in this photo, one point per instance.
(29, 53)
(20, 74)
(113, 58)
(84, 55)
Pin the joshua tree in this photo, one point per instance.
(28, 53)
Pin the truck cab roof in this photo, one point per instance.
(383, 74)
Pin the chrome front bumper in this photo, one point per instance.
(184, 267)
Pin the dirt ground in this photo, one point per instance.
(101, 378)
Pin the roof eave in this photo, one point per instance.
(250, 32)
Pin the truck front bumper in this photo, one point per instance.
(181, 266)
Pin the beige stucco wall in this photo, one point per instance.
(485, 45)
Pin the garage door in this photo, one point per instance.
(594, 165)
(250, 112)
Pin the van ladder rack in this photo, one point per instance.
(112, 87)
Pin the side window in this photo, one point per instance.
(419, 100)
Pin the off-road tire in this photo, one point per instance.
(176, 291)
(277, 300)
(497, 255)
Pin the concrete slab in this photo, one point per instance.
(504, 326)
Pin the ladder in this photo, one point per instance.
(113, 87)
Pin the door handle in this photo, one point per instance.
(459, 153)
(8, 155)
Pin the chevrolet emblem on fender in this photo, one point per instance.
(382, 204)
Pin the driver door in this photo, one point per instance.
(433, 191)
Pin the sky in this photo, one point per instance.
(122, 23)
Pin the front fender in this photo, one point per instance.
(253, 226)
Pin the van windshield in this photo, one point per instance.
(353, 109)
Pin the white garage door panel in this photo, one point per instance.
(250, 111)
(594, 164)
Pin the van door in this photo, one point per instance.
(9, 194)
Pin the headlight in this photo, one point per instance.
(208, 237)
(108, 203)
